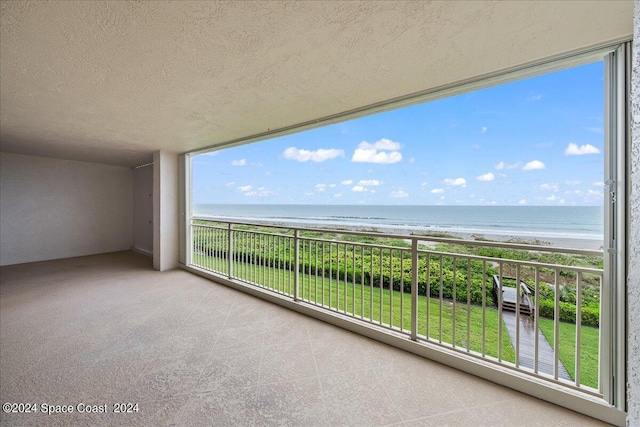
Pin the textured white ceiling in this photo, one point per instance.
(112, 82)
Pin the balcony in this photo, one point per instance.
(438, 291)
(107, 329)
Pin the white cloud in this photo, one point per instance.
(424, 184)
(459, 182)
(486, 177)
(320, 155)
(412, 160)
(230, 184)
(321, 187)
(399, 194)
(533, 165)
(347, 182)
(574, 150)
(337, 195)
(572, 182)
(382, 144)
(549, 187)
(369, 182)
(502, 165)
(358, 189)
(240, 162)
(484, 129)
(437, 191)
(476, 146)
(383, 151)
(534, 98)
(332, 186)
(552, 198)
(374, 156)
(250, 191)
(522, 202)
(260, 193)
(598, 184)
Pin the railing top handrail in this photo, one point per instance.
(506, 245)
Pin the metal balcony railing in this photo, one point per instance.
(460, 294)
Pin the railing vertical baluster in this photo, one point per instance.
(381, 285)
(402, 290)
(455, 297)
(292, 266)
(346, 278)
(253, 259)
(296, 272)
(270, 252)
(440, 302)
(518, 299)
(337, 276)
(468, 304)
(556, 325)
(500, 312)
(315, 293)
(302, 268)
(391, 287)
(330, 273)
(578, 325)
(414, 289)
(245, 250)
(207, 256)
(362, 282)
(265, 260)
(535, 322)
(353, 280)
(371, 288)
(215, 252)
(484, 307)
(428, 296)
(229, 251)
(323, 272)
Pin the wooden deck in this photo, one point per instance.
(527, 340)
(510, 297)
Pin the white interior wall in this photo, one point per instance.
(633, 278)
(53, 208)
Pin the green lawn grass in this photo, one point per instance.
(589, 349)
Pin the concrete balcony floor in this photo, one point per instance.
(108, 329)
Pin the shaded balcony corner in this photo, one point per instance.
(108, 329)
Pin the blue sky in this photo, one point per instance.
(537, 141)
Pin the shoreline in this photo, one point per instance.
(541, 239)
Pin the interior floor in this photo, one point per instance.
(107, 329)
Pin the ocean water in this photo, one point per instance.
(584, 222)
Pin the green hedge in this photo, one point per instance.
(590, 315)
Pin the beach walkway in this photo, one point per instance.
(527, 340)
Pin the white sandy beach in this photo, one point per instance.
(547, 240)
